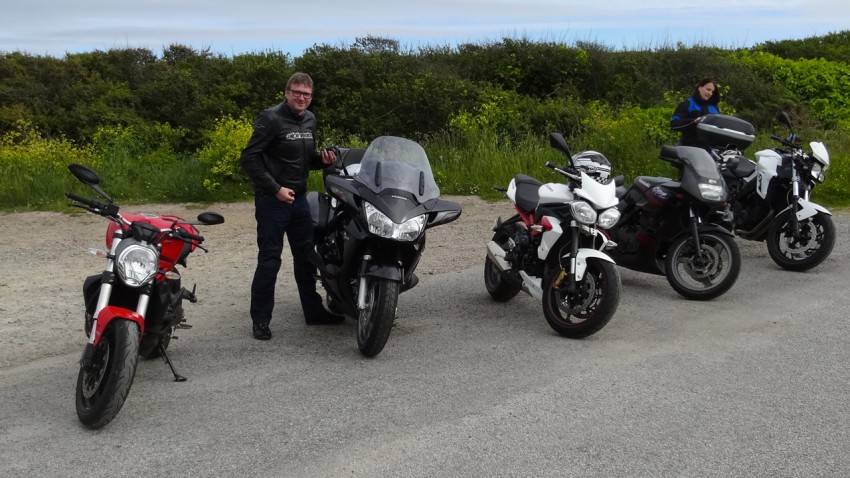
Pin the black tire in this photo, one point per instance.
(706, 279)
(584, 313)
(817, 238)
(102, 389)
(502, 286)
(376, 321)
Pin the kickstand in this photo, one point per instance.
(177, 377)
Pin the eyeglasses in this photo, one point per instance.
(301, 94)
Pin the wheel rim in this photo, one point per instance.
(703, 272)
(810, 240)
(575, 308)
(93, 378)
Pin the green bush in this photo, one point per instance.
(224, 144)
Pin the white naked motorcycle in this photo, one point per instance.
(552, 250)
(771, 197)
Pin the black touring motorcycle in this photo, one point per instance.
(370, 231)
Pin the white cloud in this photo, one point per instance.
(56, 26)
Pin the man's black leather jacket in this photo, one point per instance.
(281, 151)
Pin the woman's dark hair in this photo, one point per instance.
(715, 96)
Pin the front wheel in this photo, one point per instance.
(375, 322)
(811, 247)
(583, 312)
(706, 272)
(103, 385)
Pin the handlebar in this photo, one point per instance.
(786, 142)
(94, 206)
(183, 234)
(88, 202)
(565, 172)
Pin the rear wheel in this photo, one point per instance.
(704, 273)
(585, 311)
(103, 385)
(810, 248)
(375, 322)
(501, 285)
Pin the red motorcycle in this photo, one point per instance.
(133, 307)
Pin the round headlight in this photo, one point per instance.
(137, 264)
(608, 218)
(583, 212)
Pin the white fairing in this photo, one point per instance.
(554, 193)
(512, 191)
(602, 196)
(550, 237)
(767, 165)
(819, 152)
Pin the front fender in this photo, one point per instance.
(110, 313)
(807, 209)
(385, 271)
(581, 260)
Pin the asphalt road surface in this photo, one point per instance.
(752, 384)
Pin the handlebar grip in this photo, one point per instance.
(188, 235)
(80, 199)
(777, 138)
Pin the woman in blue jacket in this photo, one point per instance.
(703, 101)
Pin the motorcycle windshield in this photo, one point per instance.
(397, 163)
(701, 162)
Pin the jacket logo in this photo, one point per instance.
(297, 136)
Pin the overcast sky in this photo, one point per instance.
(57, 27)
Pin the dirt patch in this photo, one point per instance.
(44, 264)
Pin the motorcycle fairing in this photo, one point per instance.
(600, 195)
(698, 167)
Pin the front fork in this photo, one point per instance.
(696, 220)
(363, 286)
(795, 199)
(571, 276)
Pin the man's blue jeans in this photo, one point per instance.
(274, 219)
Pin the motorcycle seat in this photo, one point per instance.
(527, 192)
(739, 166)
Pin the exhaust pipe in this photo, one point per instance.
(496, 254)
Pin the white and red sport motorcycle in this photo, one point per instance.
(552, 249)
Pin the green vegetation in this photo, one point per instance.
(170, 128)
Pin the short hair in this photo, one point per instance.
(299, 78)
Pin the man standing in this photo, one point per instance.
(278, 159)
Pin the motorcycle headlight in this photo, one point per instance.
(583, 212)
(711, 192)
(382, 226)
(137, 264)
(817, 172)
(608, 218)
